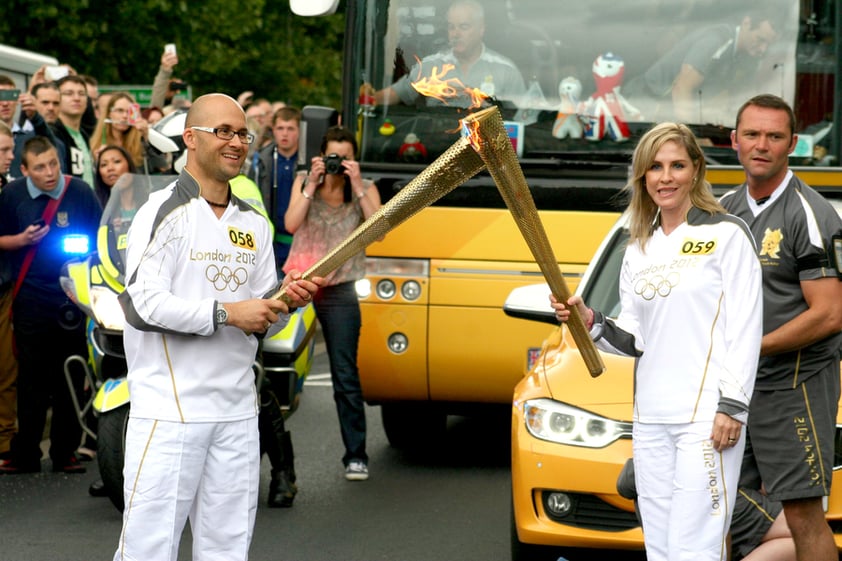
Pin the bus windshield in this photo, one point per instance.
(581, 81)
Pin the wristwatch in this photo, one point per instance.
(220, 316)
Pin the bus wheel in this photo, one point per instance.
(411, 425)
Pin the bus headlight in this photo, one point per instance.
(385, 289)
(411, 290)
(363, 287)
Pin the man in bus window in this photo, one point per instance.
(473, 64)
(702, 66)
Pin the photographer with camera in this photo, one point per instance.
(328, 203)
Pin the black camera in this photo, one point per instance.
(333, 164)
(178, 86)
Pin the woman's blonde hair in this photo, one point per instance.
(642, 209)
(131, 140)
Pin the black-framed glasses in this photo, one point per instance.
(227, 134)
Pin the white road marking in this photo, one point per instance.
(318, 380)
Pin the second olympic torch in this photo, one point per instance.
(488, 136)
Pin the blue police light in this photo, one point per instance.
(76, 244)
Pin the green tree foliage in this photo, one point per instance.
(223, 46)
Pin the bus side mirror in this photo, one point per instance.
(315, 120)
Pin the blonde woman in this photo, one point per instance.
(691, 315)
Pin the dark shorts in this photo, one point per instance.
(789, 444)
(753, 516)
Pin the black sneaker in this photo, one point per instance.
(71, 465)
(281, 490)
(11, 467)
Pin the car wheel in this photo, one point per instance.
(110, 452)
(412, 425)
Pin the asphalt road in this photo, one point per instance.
(449, 505)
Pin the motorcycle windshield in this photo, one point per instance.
(127, 196)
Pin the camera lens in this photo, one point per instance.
(333, 164)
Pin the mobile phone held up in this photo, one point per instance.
(39, 223)
(134, 113)
(170, 48)
(9, 95)
(55, 73)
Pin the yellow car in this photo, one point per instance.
(571, 433)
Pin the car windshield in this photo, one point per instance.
(619, 65)
(602, 289)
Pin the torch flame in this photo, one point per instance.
(471, 131)
(439, 87)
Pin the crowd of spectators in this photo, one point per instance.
(56, 137)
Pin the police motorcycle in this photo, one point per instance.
(94, 282)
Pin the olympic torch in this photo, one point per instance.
(488, 137)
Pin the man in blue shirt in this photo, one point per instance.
(36, 213)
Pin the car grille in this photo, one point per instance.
(593, 513)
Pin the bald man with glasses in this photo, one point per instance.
(199, 263)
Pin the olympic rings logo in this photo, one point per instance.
(657, 286)
(224, 277)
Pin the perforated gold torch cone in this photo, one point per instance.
(488, 136)
(454, 167)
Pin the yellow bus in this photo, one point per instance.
(589, 78)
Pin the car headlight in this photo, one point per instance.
(107, 308)
(557, 422)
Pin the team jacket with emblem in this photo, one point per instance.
(181, 259)
(691, 313)
(793, 231)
